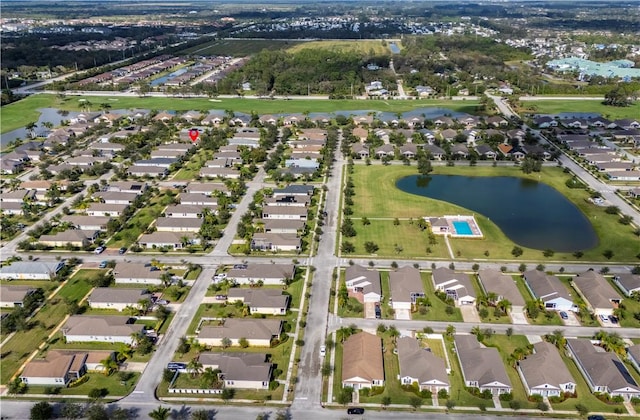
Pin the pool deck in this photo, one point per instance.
(443, 225)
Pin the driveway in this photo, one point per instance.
(469, 313)
(404, 314)
(518, 316)
(370, 310)
(572, 321)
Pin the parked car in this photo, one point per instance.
(162, 302)
(122, 250)
(99, 250)
(613, 319)
(595, 417)
(323, 351)
(103, 264)
(378, 312)
(604, 318)
(355, 410)
(564, 315)
(221, 297)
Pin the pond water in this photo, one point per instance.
(530, 213)
(394, 48)
(163, 79)
(46, 115)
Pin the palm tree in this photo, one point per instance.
(105, 107)
(194, 367)
(125, 351)
(160, 413)
(504, 305)
(30, 127)
(394, 333)
(343, 333)
(110, 365)
(492, 297)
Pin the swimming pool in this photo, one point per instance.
(462, 227)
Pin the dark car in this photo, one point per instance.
(355, 410)
(564, 315)
(595, 417)
(613, 319)
(378, 312)
(122, 250)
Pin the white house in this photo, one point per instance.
(103, 329)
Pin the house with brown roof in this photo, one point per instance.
(270, 274)
(362, 364)
(600, 296)
(136, 273)
(602, 370)
(13, 296)
(102, 329)
(258, 332)
(240, 370)
(544, 373)
(418, 365)
(456, 285)
(117, 298)
(260, 300)
(482, 366)
(60, 367)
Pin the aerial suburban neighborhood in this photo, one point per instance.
(329, 210)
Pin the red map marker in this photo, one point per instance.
(193, 133)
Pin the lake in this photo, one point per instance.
(530, 213)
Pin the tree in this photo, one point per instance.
(393, 333)
(243, 342)
(386, 401)
(347, 247)
(424, 166)
(226, 342)
(517, 251)
(371, 247)
(228, 394)
(110, 365)
(71, 411)
(504, 305)
(365, 221)
(343, 295)
(202, 415)
(160, 413)
(41, 411)
(617, 97)
(194, 367)
(96, 411)
(415, 402)
(608, 254)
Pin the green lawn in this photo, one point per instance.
(20, 113)
(377, 197)
(379, 47)
(551, 106)
(138, 223)
(437, 311)
(506, 346)
(436, 346)
(23, 343)
(191, 169)
(240, 47)
(186, 381)
(114, 386)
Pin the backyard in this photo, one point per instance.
(556, 106)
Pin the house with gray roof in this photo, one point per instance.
(600, 296)
(258, 332)
(282, 226)
(628, 283)
(602, 370)
(271, 274)
(419, 365)
(362, 364)
(179, 224)
(73, 237)
(633, 355)
(550, 290)
(275, 242)
(481, 366)
(106, 210)
(60, 367)
(135, 187)
(406, 287)
(207, 188)
(544, 373)
(198, 199)
(30, 270)
(363, 283)
(171, 240)
(285, 212)
(240, 370)
(136, 273)
(117, 298)
(102, 329)
(116, 197)
(87, 222)
(294, 190)
(456, 285)
(260, 300)
(493, 281)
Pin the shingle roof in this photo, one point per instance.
(501, 284)
(362, 357)
(259, 271)
(546, 287)
(368, 280)
(480, 363)
(239, 366)
(234, 329)
(403, 282)
(545, 366)
(417, 362)
(260, 298)
(117, 295)
(100, 325)
(596, 290)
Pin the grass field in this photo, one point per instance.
(378, 197)
(551, 106)
(240, 47)
(19, 114)
(372, 47)
(114, 386)
(23, 343)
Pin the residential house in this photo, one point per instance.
(360, 150)
(363, 284)
(258, 332)
(282, 226)
(76, 238)
(628, 283)
(117, 298)
(11, 208)
(276, 242)
(544, 373)
(409, 151)
(406, 287)
(136, 273)
(294, 190)
(109, 197)
(86, 222)
(287, 201)
(260, 301)
(434, 151)
(633, 355)
(224, 173)
(240, 370)
(503, 286)
(13, 296)
(30, 270)
(102, 329)
(268, 274)
(602, 370)
(207, 188)
(61, 367)
(171, 240)
(179, 224)
(418, 365)
(456, 285)
(284, 212)
(106, 210)
(624, 176)
(132, 187)
(550, 290)
(600, 297)
(184, 211)
(362, 365)
(482, 366)
(151, 171)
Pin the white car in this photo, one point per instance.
(99, 250)
(323, 351)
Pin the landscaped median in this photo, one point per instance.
(387, 217)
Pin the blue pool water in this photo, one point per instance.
(462, 228)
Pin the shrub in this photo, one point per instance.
(542, 406)
(425, 393)
(376, 390)
(535, 398)
(515, 405)
(443, 394)
(506, 397)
